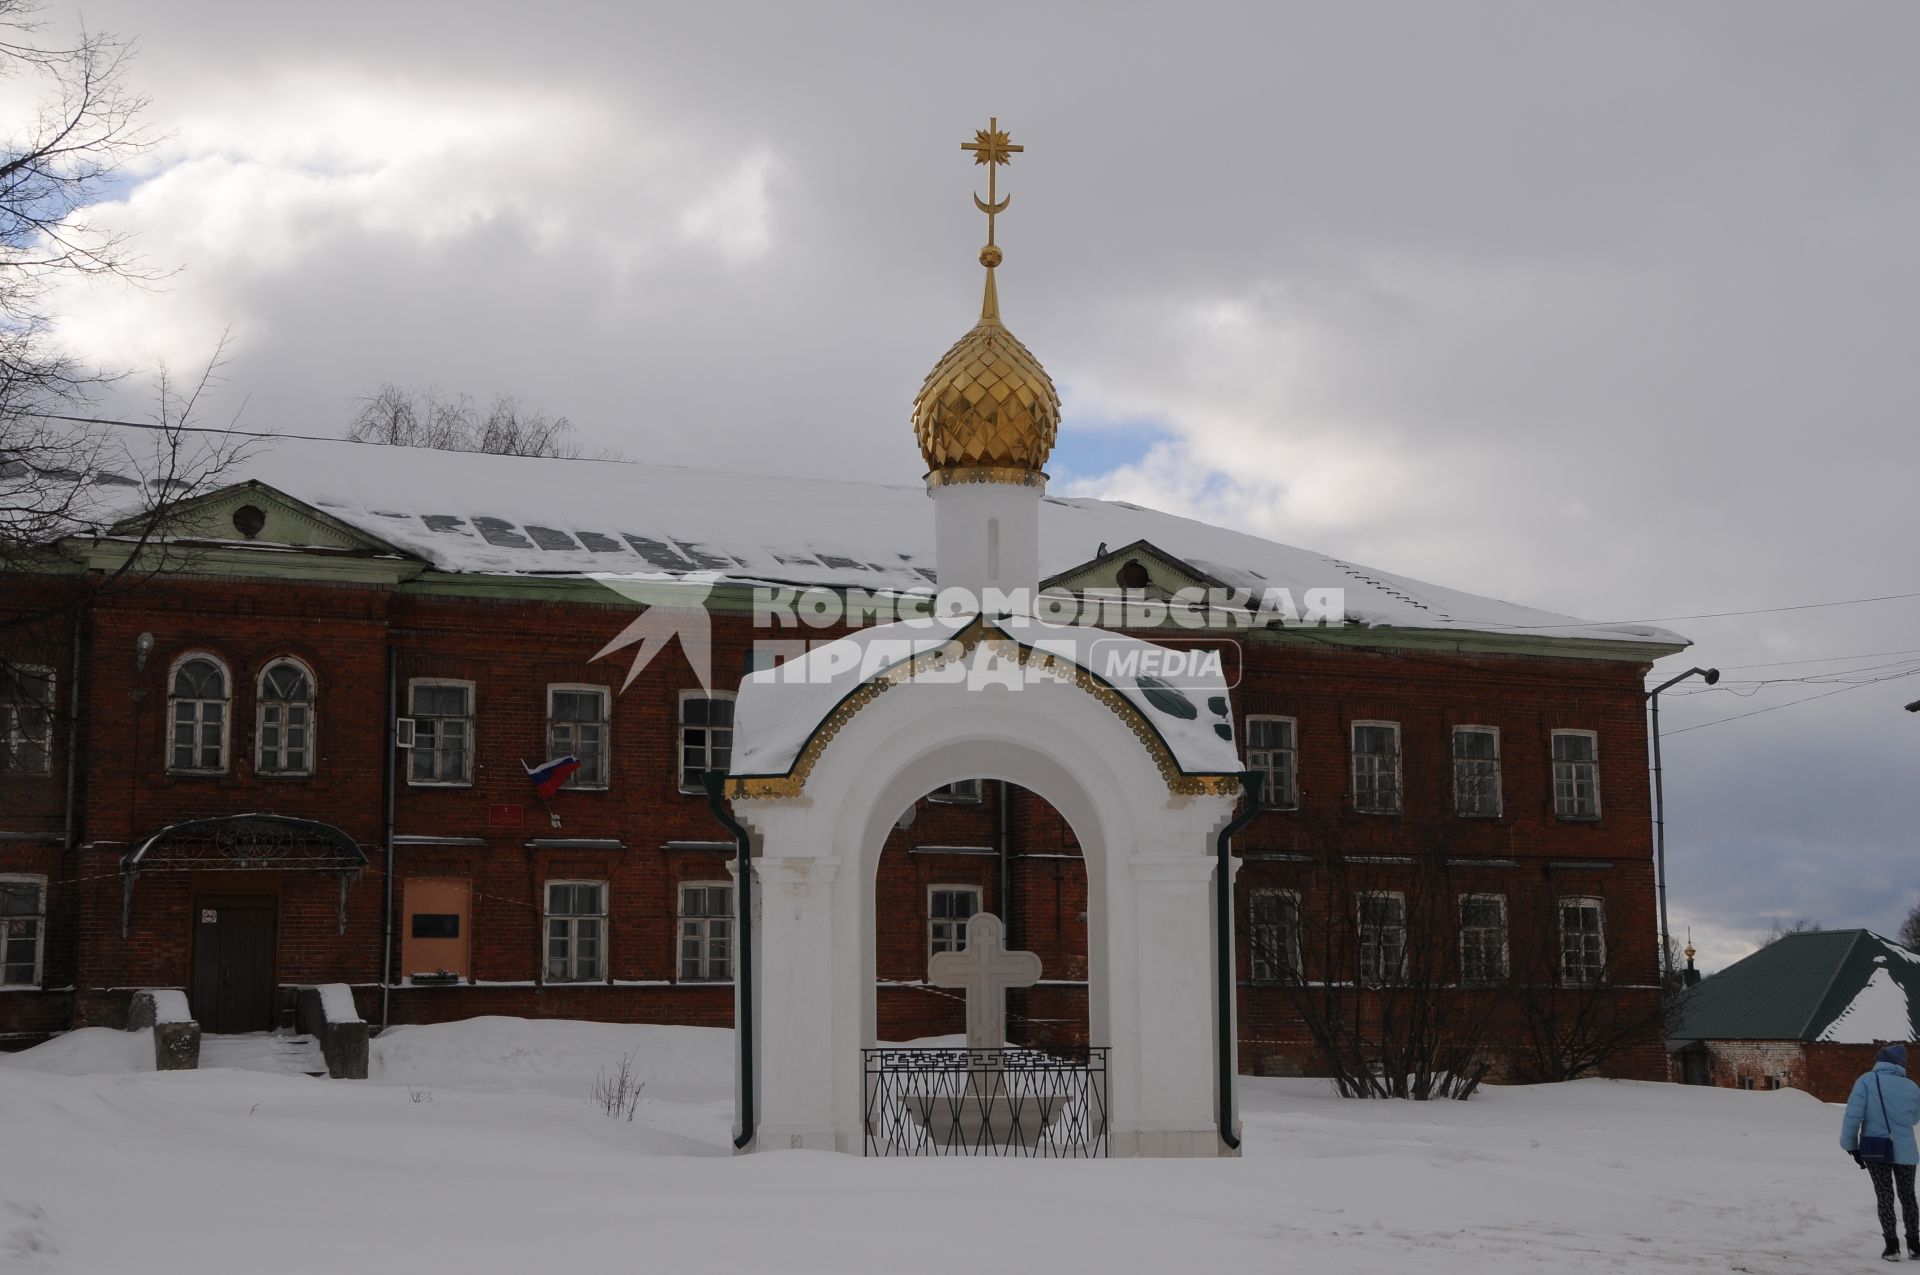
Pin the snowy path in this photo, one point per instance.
(473, 1148)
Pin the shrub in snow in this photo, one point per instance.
(616, 1090)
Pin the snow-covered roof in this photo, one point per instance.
(505, 515)
(779, 711)
(1847, 986)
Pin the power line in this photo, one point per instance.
(156, 427)
(1805, 699)
(1708, 615)
(1820, 659)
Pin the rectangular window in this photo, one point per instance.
(1275, 936)
(1271, 755)
(1583, 942)
(1576, 774)
(442, 715)
(706, 737)
(23, 928)
(577, 727)
(26, 720)
(706, 932)
(1483, 938)
(576, 931)
(1476, 772)
(1376, 767)
(959, 792)
(949, 908)
(1383, 936)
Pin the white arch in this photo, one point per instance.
(1150, 868)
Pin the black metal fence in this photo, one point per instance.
(1014, 1102)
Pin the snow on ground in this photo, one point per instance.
(472, 1148)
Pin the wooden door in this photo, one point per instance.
(233, 952)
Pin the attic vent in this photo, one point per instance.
(248, 520)
(1133, 574)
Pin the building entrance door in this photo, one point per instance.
(233, 954)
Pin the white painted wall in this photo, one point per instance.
(1150, 871)
(987, 535)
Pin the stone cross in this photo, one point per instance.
(985, 969)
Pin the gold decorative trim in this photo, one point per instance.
(1011, 475)
(960, 646)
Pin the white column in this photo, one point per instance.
(795, 1056)
(987, 536)
(1172, 965)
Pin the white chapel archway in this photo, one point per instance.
(823, 772)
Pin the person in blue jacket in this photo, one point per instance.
(1885, 1104)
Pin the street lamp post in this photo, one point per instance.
(1709, 676)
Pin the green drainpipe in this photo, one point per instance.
(743, 1024)
(1223, 953)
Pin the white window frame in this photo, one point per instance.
(13, 737)
(1399, 766)
(954, 938)
(1260, 759)
(1599, 907)
(961, 792)
(199, 722)
(680, 738)
(473, 699)
(701, 932)
(1377, 978)
(1289, 943)
(1505, 968)
(572, 919)
(260, 704)
(1499, 797)
(1559, 812)
(39, 882)
(556, 749)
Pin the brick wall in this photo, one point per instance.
(513, 649)
(1824, 1069)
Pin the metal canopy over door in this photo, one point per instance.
(233, 953)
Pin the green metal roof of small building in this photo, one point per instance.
(1850, 986)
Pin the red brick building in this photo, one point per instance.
(201, 786)
(1808, 1011)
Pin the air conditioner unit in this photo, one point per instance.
(403, 732)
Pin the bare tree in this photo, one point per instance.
(428, 418)
(1396, 1005)
(1799, 925)
(60, 474)
(1574, 1005)
(85, 130)
(1910, 930)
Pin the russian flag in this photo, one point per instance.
(548, 776)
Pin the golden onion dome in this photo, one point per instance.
(988, 411)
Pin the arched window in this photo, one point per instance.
(197, 715)
(284, 738)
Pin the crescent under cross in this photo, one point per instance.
(992, 146)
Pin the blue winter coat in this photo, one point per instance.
(1902, 1113)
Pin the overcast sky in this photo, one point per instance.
(1607, 308)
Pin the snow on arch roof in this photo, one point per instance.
(469, 513)
(784, 718)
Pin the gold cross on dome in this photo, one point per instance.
(992, 146)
